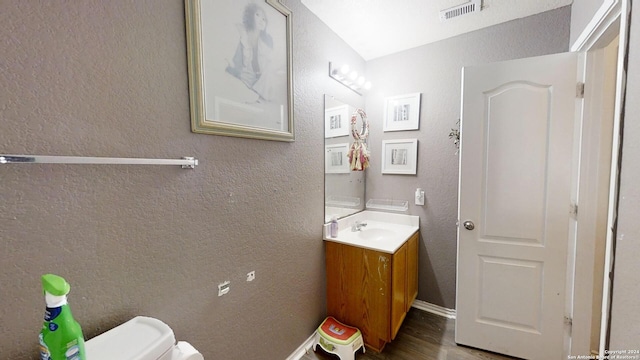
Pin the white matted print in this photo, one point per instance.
(240, 72)
(335, 159)
(336, 121)
(402, 112)
(399, 156)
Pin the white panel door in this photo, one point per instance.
(515, 187)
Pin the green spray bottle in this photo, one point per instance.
(61, 336)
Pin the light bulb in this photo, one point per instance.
(353, 75)
(344, 69)
(360, 80)
(367, 85)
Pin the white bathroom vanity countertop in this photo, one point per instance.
(385, 232)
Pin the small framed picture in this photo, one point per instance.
(399, 156)
(335, 159)
(336, 121)
(402, 112)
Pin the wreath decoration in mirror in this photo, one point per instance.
(358, 153)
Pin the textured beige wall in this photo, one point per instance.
(625, 312)
(434, 70)
(109, 78)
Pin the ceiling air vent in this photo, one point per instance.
(464, 9)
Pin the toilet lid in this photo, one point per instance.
(141, 338)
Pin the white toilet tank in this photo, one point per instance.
(141, 338)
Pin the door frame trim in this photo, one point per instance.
(599, 26)
(599, 31)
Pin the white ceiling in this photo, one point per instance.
(375, 28)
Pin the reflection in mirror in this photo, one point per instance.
(344, 189)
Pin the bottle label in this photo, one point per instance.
(44, 350)
(52, 313)
(73, 352)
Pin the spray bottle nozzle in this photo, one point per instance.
(55, 285)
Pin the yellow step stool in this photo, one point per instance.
(339, 339)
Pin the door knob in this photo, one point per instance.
(469, 225)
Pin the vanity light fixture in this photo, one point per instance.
(349, 78)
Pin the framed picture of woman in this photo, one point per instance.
(240, 78)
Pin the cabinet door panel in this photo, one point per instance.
(412, 269)
(399, 289)
(358, 290)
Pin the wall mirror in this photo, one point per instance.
(344, 189)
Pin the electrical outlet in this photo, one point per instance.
(224, 288)
(251, 275)
(419, 196)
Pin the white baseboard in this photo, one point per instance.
(434, 309)
(418, 304)
(303, 349)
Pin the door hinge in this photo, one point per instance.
(573, 210)
(568, 321)
(580, 90)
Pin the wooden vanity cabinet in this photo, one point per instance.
(372, 290)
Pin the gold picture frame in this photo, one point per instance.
(239, 62)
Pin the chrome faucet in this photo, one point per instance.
(358, 225)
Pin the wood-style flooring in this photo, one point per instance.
(423, 336)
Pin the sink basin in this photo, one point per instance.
(385, 232)
(376, 234)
